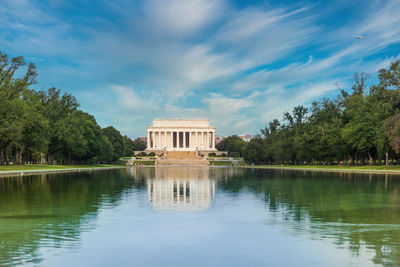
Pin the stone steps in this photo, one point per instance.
(187, 162)
(188, 158)
(182, 155)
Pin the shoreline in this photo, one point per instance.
(317, 169)
(49, 171)
(9, 173)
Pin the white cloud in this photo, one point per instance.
(240, 67)
(182, 17)
(129, 99)
(218, 103)
(278, 100)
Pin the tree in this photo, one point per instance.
(34, 135)
(324, 140)
(253, 152)
(392, 127)
(117, 142)
(58, 110)
(358, 124)
(13, 108)
(390, 78)
(232, 144)
(133, 145)
(139, 144)
(39, 126)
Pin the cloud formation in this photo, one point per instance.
(241, 65)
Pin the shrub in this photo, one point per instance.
(212, 154)
(223, 155)
(92, 161)
(234, 154)
(144, 153)
(151, 154)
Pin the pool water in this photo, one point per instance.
(200, 216)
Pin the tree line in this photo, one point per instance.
(360, 126)
(48, 126)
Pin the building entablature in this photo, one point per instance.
(177, 127)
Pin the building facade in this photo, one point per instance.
(181, 135)
(245, 137)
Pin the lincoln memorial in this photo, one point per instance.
(181, 135)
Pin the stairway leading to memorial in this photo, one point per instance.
(182, 158)
(182, 155)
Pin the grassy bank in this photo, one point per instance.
(380, 168)
(224, 163)
(145, 162)
(32, 167)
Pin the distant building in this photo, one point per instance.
(245, 137)
(143, 138)
(218, 139)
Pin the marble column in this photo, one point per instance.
(158, 139)
(213, 140)
(148, 139)
(192, 140)
(169, 139)
(208, 140)
(184, 139)
(172, 139)
(165, 139)
(204, 140)
(196, 142)
(199, 139)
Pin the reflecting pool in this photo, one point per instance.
(217, 216)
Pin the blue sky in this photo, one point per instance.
(238, 63)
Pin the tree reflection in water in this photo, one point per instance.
(354, 211)
(52, 210)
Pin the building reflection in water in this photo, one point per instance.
(181, 188)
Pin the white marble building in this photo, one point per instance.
(181, 135)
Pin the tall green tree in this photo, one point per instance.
(13, 108)
(360, 125)
(232, 144)
(117, 142)
(47, 126)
